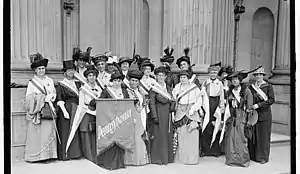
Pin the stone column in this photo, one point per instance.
(281, 71)
(223, 31)
(35, 27)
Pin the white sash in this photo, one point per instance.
(217, 114)
(70, 87)
(260, 92)
(126, 82)
(226, 116)
(157, 88)
(112, 93)
(205, 106)
(237, 97)
(80, 78)
(192, 78)
(144, 84)
(40, 84)
(184, 92)
(100, 83)
(88, 90)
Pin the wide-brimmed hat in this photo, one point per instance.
(116, 75)
(168, 56)
(99, 58)
(184, 73)
(147, 63)
(37, 60)
(214, 67)
(161, 69)
(90, 69)
(241, 75)
(226, 69)
(112, 59)
(260, 70)
(68, 64)
(125, 59)
(136, 74)
(185, 57)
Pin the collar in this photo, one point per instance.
(261, 83)
(237, 90)
(46, 77)
(216, 81)
(125, 72)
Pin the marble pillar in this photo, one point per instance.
(35, 27)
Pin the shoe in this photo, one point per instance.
(263, 162)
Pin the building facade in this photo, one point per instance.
(53, 28)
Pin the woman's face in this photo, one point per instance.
(110, 67)
(70, 73)
(91, 77)
(117, 83)
(184, 65)
(101, 66)
(147, 70)
(81, 63)
(40, 71)
(125, 66)
(165, 64)
(160, 77)
(213, 74)
(184, 79)
(134, 83)
(259, 77)
(235, 81)
(224, 74)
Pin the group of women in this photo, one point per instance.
(180, 119)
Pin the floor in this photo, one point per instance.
(279, 163)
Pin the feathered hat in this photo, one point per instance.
(90, 69)
(99, 58)
(68, 64)
(161, 69)
(185, 57)
(37, 60)
(137, 74)
(241, 75)
(227, 69)
(168, 57)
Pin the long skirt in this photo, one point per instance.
(41, 143)
(161, 149)
(236, 150)
(206, 137)
(259, 144)
(188, 146)
(112, 158)
(139, 155)
(64, 126)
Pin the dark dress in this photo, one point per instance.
(206, 135)
(113, 157)
(172, 80)
(161, 147)
(236, 150)
(64, 125)
(259, 144)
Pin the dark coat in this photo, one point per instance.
(172, 80)
(105, 93)
(264, 107)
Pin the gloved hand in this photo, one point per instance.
(66, 115)
(155, 120)
(48, 98)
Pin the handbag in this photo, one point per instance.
(47, 113)
(248, 131)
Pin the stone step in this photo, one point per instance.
(280, 139)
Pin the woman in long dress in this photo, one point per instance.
(214, 90)
(67, 94)
(41, 140)
(87, 127)
(263, 96)
(139, 156)
(187, 119)
(113, 157)
(240, 102)
(161, 107)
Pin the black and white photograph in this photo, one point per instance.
(151, 86)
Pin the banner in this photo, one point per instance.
(115, 123)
